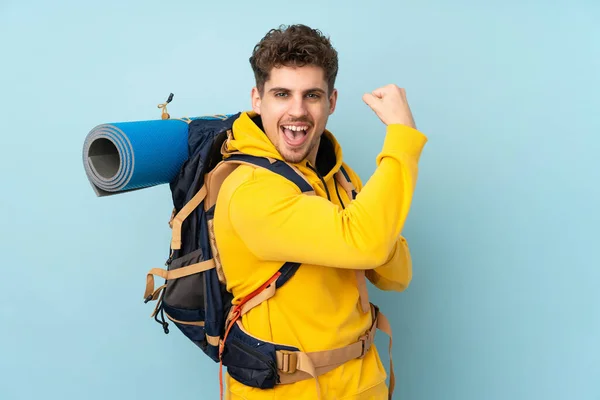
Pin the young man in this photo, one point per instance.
(263, 220)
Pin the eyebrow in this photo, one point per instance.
(282, 89)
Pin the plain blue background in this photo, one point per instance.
(504, 303)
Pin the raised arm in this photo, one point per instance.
(278, 223)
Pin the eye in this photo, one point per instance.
(280, 94)
(313, 95)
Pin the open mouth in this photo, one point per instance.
(294, 135)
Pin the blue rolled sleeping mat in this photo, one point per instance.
(125, 156)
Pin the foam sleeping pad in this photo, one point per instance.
(125, 156)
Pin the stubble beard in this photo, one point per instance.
(294, 158)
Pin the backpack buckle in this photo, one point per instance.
(366, 345)
(289, 361)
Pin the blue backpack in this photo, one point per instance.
(194, 295)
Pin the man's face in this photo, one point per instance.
(294, 109)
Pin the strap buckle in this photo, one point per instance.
(289, 361)
(366, 345)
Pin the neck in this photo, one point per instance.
(312, 156)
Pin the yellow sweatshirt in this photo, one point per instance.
(262, 220)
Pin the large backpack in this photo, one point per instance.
(194, 296)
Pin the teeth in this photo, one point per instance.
(296, 128)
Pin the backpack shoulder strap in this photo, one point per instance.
(217, 176)
(292, 174)
(344, 179)
(277, 166)
(224, 168)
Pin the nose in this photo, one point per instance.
(297, 107)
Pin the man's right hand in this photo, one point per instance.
(390, 104)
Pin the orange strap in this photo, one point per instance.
(236, 312)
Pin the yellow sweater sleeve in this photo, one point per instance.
(278, 223)
(396, 273)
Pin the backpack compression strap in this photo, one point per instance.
(177, 219)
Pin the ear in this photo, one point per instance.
(256, 100)
(332, 101)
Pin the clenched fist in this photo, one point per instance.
(390, 105)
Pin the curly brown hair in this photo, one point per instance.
(294, 45)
